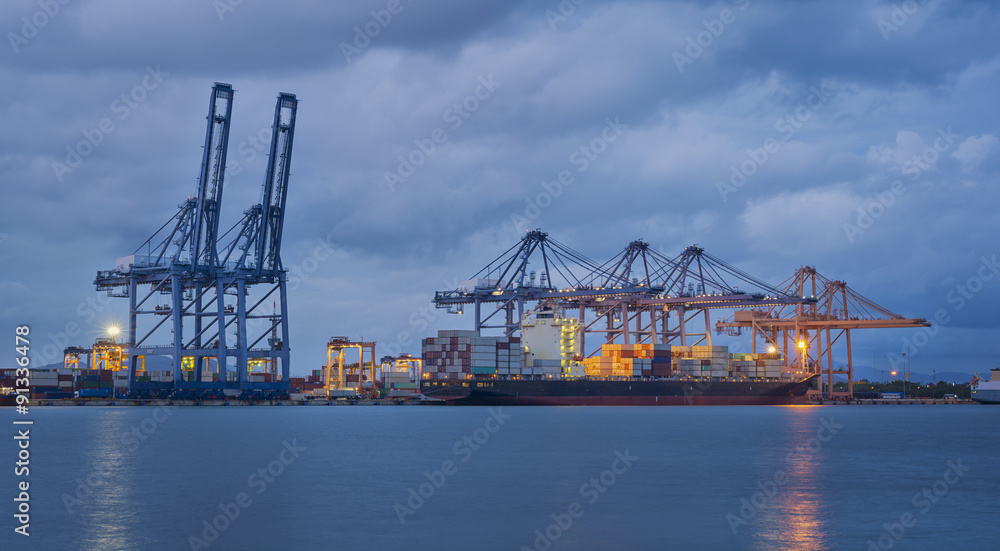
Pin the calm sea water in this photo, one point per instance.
(842, 477)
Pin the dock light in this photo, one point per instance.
(112, 330)
(802, 344)
(771, 349)
(893, 373)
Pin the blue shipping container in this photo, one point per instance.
(95, 392)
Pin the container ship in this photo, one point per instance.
(987, 392)
(544, 366)
(639, 392)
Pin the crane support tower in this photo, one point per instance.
(210, 313)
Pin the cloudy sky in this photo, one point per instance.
(855, 136)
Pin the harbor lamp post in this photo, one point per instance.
(906, 366)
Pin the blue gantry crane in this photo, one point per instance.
(640, 295)
(208, 284)
(508, 282)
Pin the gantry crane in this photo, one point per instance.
(684, 289)
(507, 283)
(631, 296)
(809, 331)
(184, 260)
(335, 349)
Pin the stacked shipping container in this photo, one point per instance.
(630, 360)
(755, 365)
(456, 354)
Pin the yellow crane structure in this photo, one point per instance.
(337, 346)
(106, 353)
(109, 354)
(406, 363)
(809, 331)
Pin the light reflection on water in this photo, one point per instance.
(109, 521)
(793, 519)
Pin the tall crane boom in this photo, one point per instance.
(212, 321)
(192, 242)
(275, 188)
(211, 178)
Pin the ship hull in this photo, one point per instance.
(986, 395)
(594, 392)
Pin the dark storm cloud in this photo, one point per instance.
(892, 76)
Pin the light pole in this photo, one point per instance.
(906, 360)
(906, 368)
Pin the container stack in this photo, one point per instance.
(769, 365)
(717, 358)
(641, 366)
(592, 367)
(309, 382)
(162, 376)
(43, 381)
(510, 356)
(484, 356)
(316, 379)
(120, 380)
(397, 383)
(756, 365)
(742, 366)
(449, 355)
(630, 360)
(691, 367)
(456, 354)
(701, 361)
(660, 362)
(67, 382)
(8, 379)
